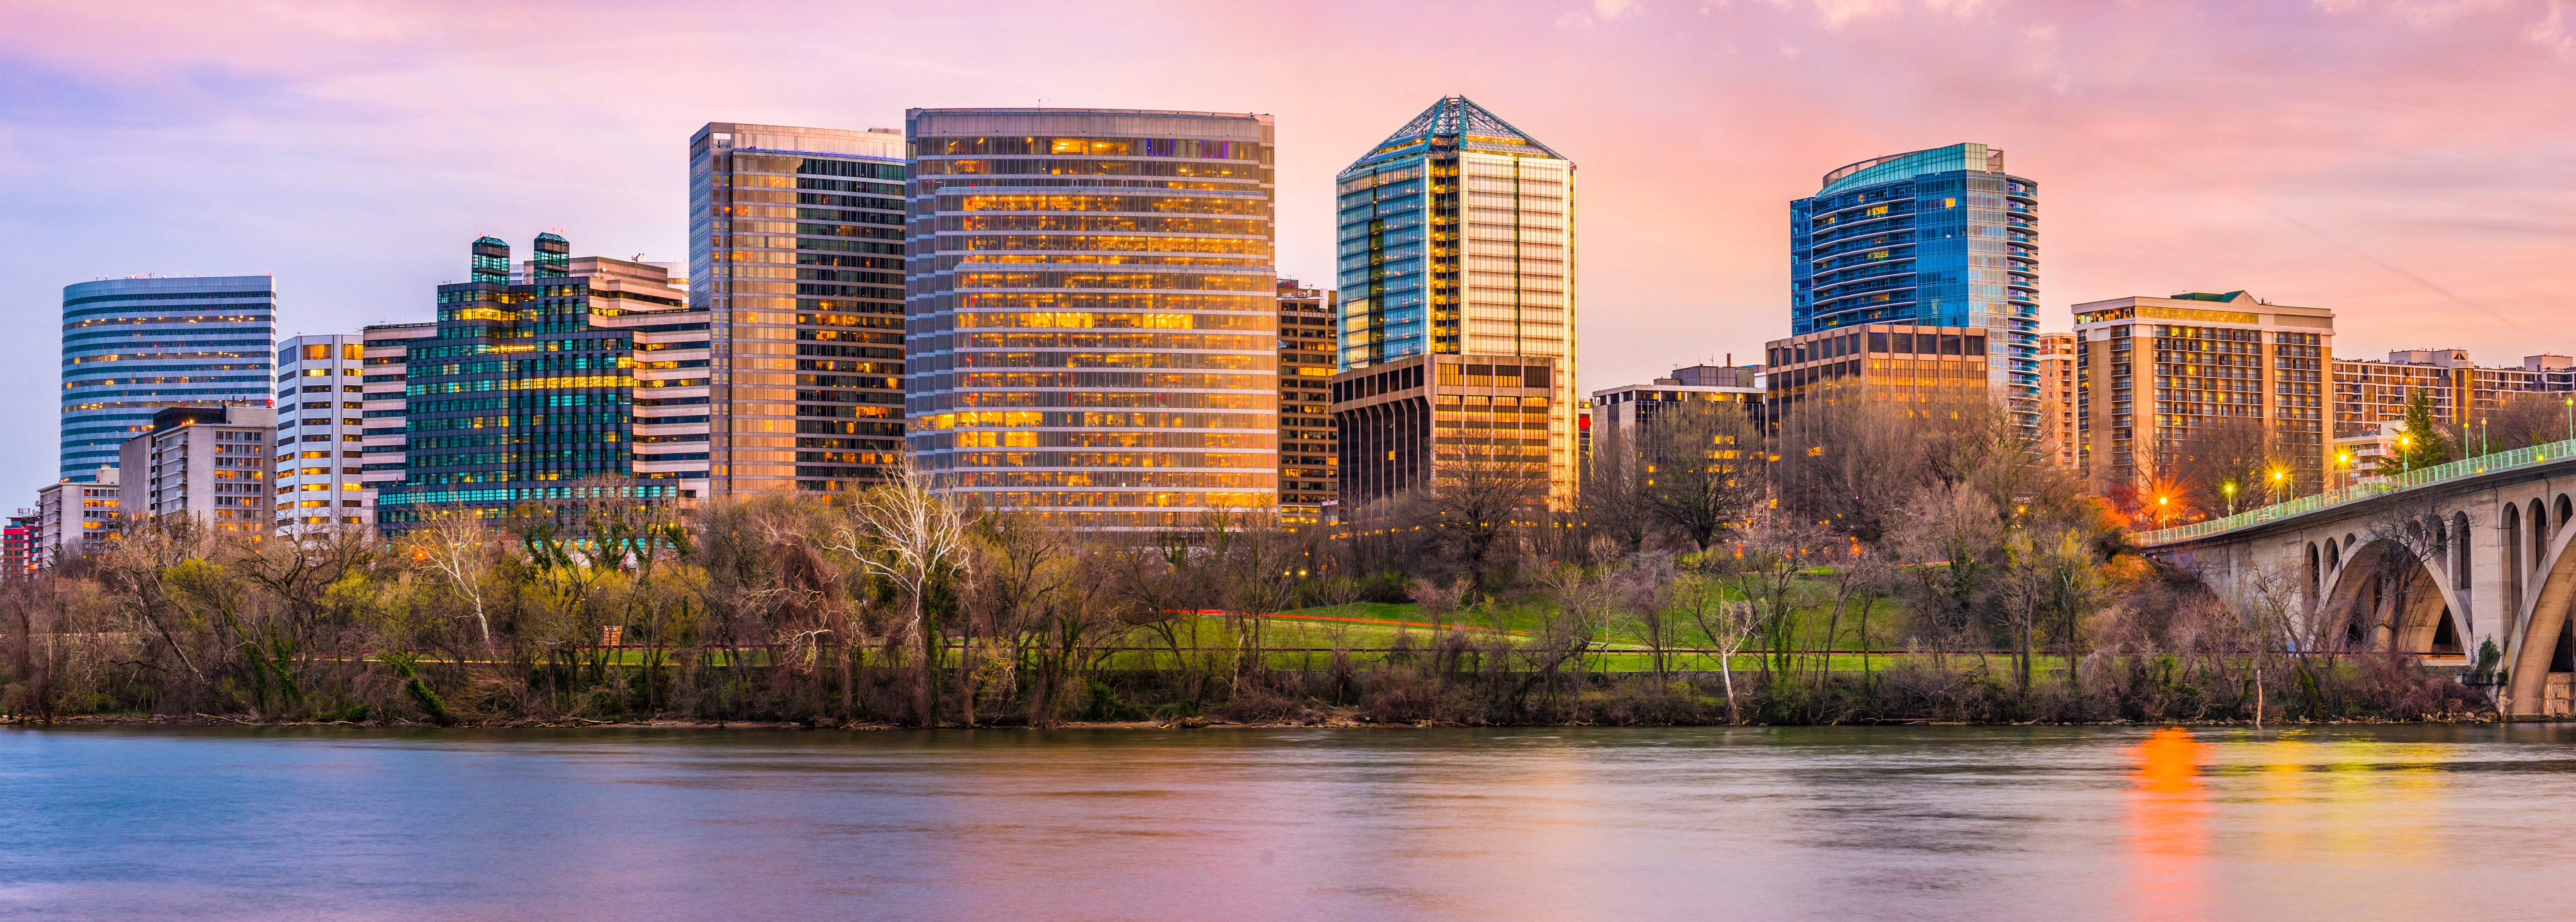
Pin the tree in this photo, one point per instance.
(2421, 443)
(1480, 492)
(1705, 468)
(1700, 594)
(907, 533)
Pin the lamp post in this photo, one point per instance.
(2280, 481)
(2343, 470)
(2229, 489)
(2160, 510)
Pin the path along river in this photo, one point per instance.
(2411, 822)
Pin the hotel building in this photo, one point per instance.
(132, 347)
(796, 253)
(1092, 335)
(1457, 238)
(2154, 372)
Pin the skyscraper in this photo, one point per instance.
(1457, 237)
(2176, 391)
(321, 435)
(1938, 238)
(1092, 320)
(1308, 476)
(796, 253)
(132, 347)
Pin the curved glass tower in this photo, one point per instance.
(132, 347)
(1937, 238)
(1092, 319)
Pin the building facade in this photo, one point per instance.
(796, 254)
(18, 557)
(2057, 401)
(77, 518)
(1457, 237)
(1309, 465)
(387, 350)
(2157, 373)
(321, 434)
(134, 346)
(1939, 238)
(1092, 325)
(1407, 423)
(1628, 407)
(210, 464)
(2368, 392)
(525, 391)
(1909, 367)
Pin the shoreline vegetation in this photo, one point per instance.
(1867, 565)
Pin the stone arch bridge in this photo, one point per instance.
(2434, 562)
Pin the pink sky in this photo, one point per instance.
(2411, 165)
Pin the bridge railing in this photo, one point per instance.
(2421, 477)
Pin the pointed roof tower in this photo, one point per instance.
(1452, 123)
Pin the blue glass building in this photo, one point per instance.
(1936, 238)
(132, 347)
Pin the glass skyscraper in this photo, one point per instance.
(1093, 319)
(132, 347)
(1457, 237)
(1935, 238)
(796, 252)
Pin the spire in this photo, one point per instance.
(1454, 122)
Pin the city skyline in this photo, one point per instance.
(2327, 192)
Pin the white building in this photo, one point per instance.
(76, 519)
(210, 463)
(320, 434)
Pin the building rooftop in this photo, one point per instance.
(1456, 122)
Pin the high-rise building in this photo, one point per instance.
(796, 252)
(1938, 238)
(1092, 328)
(1403, 421)
(1909, 367)
(210, 464)
(2161, 377)
(134, 346)
(526, 390)
(77, 518)
(1308, 466)
(2057, 401)
(1457, 238)
(321, 435)
(387, 350)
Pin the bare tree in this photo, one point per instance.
(1727, 624)
(1705, 469)
(461, 550)
(1481, 492)
(906, 532)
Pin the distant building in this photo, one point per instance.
(2157, 372)
(134, 346)
(1308, 465)
(2369, 391)
(212, 465)
(387, 350)
(1457, 237)
(1899, 365)
(1629, 406)
(2057, 400)
(18, 558)
(1400, 418)
(76, 518)
(796, 253)
(1939, 238)
(321, 426)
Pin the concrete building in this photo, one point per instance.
(2369, 391)
(2155, 373)
(134, 346)
(387, 351)
(1457, 237)
(1904, 366)
(1309, 472)
(321, 425)
(1402, 419)
(1938, 238)
(77, 518)
(1092, 321)
(212, 464)
(796, 254)
(1633, 405)
(2058, 432)
(18, 557)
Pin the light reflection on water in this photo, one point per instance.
(1834, 823)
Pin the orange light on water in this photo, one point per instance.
(2168, 838)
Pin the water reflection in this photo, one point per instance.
(2168, 828)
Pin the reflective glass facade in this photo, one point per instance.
(1941, 238)
(1093, 320)
(132, 347)
(1457, 237)
(796, 253)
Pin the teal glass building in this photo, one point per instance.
(133, 347)
(1940, 238)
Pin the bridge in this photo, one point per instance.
(2435, 562)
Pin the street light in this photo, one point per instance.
(2230, 490)
(2280, 481)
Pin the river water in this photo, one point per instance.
(1558, 823)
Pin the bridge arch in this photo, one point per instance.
(2566, 510)
(2378, 605)
(2541, 645)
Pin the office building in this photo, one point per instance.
(1907, 367)
(1457, 237)
(1938, 238)
(2160, 375)
(386, 348)
(77, 518)
(2057, 401)
(1308, 465)
(321, 435)
(132, 347)
(1402, 422)
(211, 464)
(1093, 326)
(796, 252)
(525, 393)
(1628, 407)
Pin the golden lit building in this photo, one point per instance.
(1308, 478)
(1891, 363)
(2154, 373)
(2057, 400)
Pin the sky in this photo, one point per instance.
(2406, 163)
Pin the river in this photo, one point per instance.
(1551, 823)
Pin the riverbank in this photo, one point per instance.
(1347, 718)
